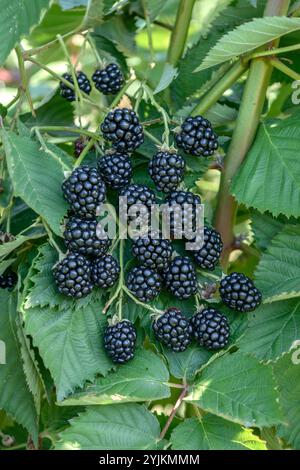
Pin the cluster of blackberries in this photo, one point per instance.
(87, 263)
(108, 80)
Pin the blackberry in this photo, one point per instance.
(210, 329)
(152, 251)
(239, 293)
(180, 214)
(85, 191)
(180, 278)
(86, 237)
(144, 283)
(105, 271)
(72, 276)
(208, 256)
(83, 83)
(79, 146)
(108, 80)
(123, 129)
(196, 137)
(140, 199)
(8, 279)
(116, 170)
(166, 170)
(119, 341)
(173, 330)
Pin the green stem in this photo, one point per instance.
(285, 69)
(50, 44)
(24, 79)
(138, 302)
(72, 130)
(151, 137)
(149, 30)
(73, 72)
(119, 288)
(51, 239)
(94, 50)
(275, 51)
(219, 89)
(243, 136)
(14, 100)
(47, 150)
(180, 31)
(85, 151)
(118, 98)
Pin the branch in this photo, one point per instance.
(180, 31)
(174, 411)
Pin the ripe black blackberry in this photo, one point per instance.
(196, 137)
(166, 170)
(8, 279)
(123, 129)
(173, 330)
(210, 329)
(140, 198)
(180, 214)
(83, 84)
(153, 251)
(239, 293)
(144, 283)
(180, 278)
(86, 236)
(207, 257)
(115, 169)
(105, 271)
(108, 80)
(85, 191)
(72, 276)
(119, 341)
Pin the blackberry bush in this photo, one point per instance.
(196, 137)
(166, 170)
(83, 84)
(173, 330)
(108, 80)
(210, 329)
(86, 237)
(180, 278)
(239, 293)
(116, 170)
(123, 129)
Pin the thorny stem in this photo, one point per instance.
(174, 411)
(24, 79)
(243, 136)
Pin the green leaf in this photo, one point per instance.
(221, 114)
(125, 426)
(169, 73)
(142, 379)
(265, 227)
(248, 37)
(256, 183)
(5, 264)
(16, 21)
(213, 433)
(186, 364)
(272, 330)
(37, 177)
(15, 397)
(278, 272)
(154, 7)
(9, 247)
(287, 372)
(94, 13)
(108, 48)
(69, 343)
(238, 388)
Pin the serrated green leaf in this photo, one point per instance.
(125, 426)
(169, 73)
(37, 177)
(15, 397)
(142, 379)
(69, 343)
(221, 114)
(213, 433)
(272, 330)
(248, 37)
(186, 364)
(9, 247)
(109, 49)
(94, 13)
(17, 19)
(265, 227)
(278, 272)
(259, 179)
(287, 372)
(238, 388)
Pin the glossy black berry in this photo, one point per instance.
(108, 80)
(196, 137)
(85, 191)
(116, 170)
(72, 276)
(210, 329)
(144, 283)
(105, 271)
(83, 84)
(79, 146)
(86, 236)
(182, 214)
(173, 330)
(152, 251)
(139, 200)
(208, 256)
(8, 279)
(166, 170)
(119, 341)
(180, 278)
(239, 293)
(123, 129)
